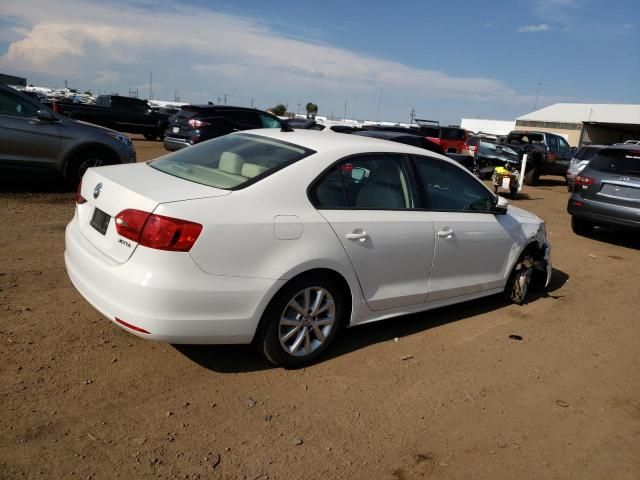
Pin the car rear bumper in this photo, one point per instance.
(173, 143)
(604, 213)
(166, 294)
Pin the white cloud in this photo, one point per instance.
(543, 27)
(204, 53)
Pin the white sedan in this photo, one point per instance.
(281, 238)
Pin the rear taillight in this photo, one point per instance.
(157, 231)
(79, 198)
(197, 123)
(586, 181)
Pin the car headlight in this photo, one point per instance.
(122, 139)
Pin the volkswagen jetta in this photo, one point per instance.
(281, 238)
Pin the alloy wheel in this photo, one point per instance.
(306, 321)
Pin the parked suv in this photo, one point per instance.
(579, 161)
(607, 190)
(36, 141)
(197, 123)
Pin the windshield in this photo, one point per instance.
(232, 161)
(585, 153)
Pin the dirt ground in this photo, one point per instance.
(81, 398)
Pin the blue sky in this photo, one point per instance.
(447, 59)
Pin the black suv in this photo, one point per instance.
(197, 123)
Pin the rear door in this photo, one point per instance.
(472, 243)
(369, 202)
(25, 141)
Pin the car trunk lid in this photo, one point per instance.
(112, 189)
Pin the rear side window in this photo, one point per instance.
(366, 182)
(232, 161)
(617, 162)
(585, 153)
(447, 133)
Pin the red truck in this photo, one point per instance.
(452, 138)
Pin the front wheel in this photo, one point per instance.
(531, 177)
(77, 166)
(301, 321)
(519, 281)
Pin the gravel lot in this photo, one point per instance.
(446, 394)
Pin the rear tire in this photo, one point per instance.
(301, 321)
(581, 227)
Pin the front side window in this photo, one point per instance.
(16, 106)
(366, 182)
(553, 142)
(231, 161)
(449, 188)
(562, 144)
(269, 122)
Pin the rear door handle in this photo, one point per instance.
(359, 236)
(446, 233)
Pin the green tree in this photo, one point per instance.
(279, 110)
(88, 92)
(312, 109)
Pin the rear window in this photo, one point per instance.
(232, 161)
(617, 161)
(526, 138)
(585, 153)
(447, 133)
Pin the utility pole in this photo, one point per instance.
(379, 102)
(150, 84)
(299, 107)
(412, 115)
(345, 110)
(65, 84)
(252, 103)
(225, 98)
(535, 105)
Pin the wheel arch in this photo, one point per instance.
(346, 289)
(76, 151)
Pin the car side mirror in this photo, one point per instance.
(46, 115)
(502, 205)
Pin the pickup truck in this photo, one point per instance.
(124, 114)
(547, 153)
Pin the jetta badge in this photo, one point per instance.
(97, 190)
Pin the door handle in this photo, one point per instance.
(446, 233)
(359, 236)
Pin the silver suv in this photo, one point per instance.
(35, 141)
(607, 190)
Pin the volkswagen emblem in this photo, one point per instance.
(97, 190)
(624, 179)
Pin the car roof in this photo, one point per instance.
(220, 107)
(320, 142)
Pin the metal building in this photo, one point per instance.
(586, 123)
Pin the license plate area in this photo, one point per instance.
(100, 221)
(175, 129)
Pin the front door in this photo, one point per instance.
(25, 141)
(473, 245)
(369, 202)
